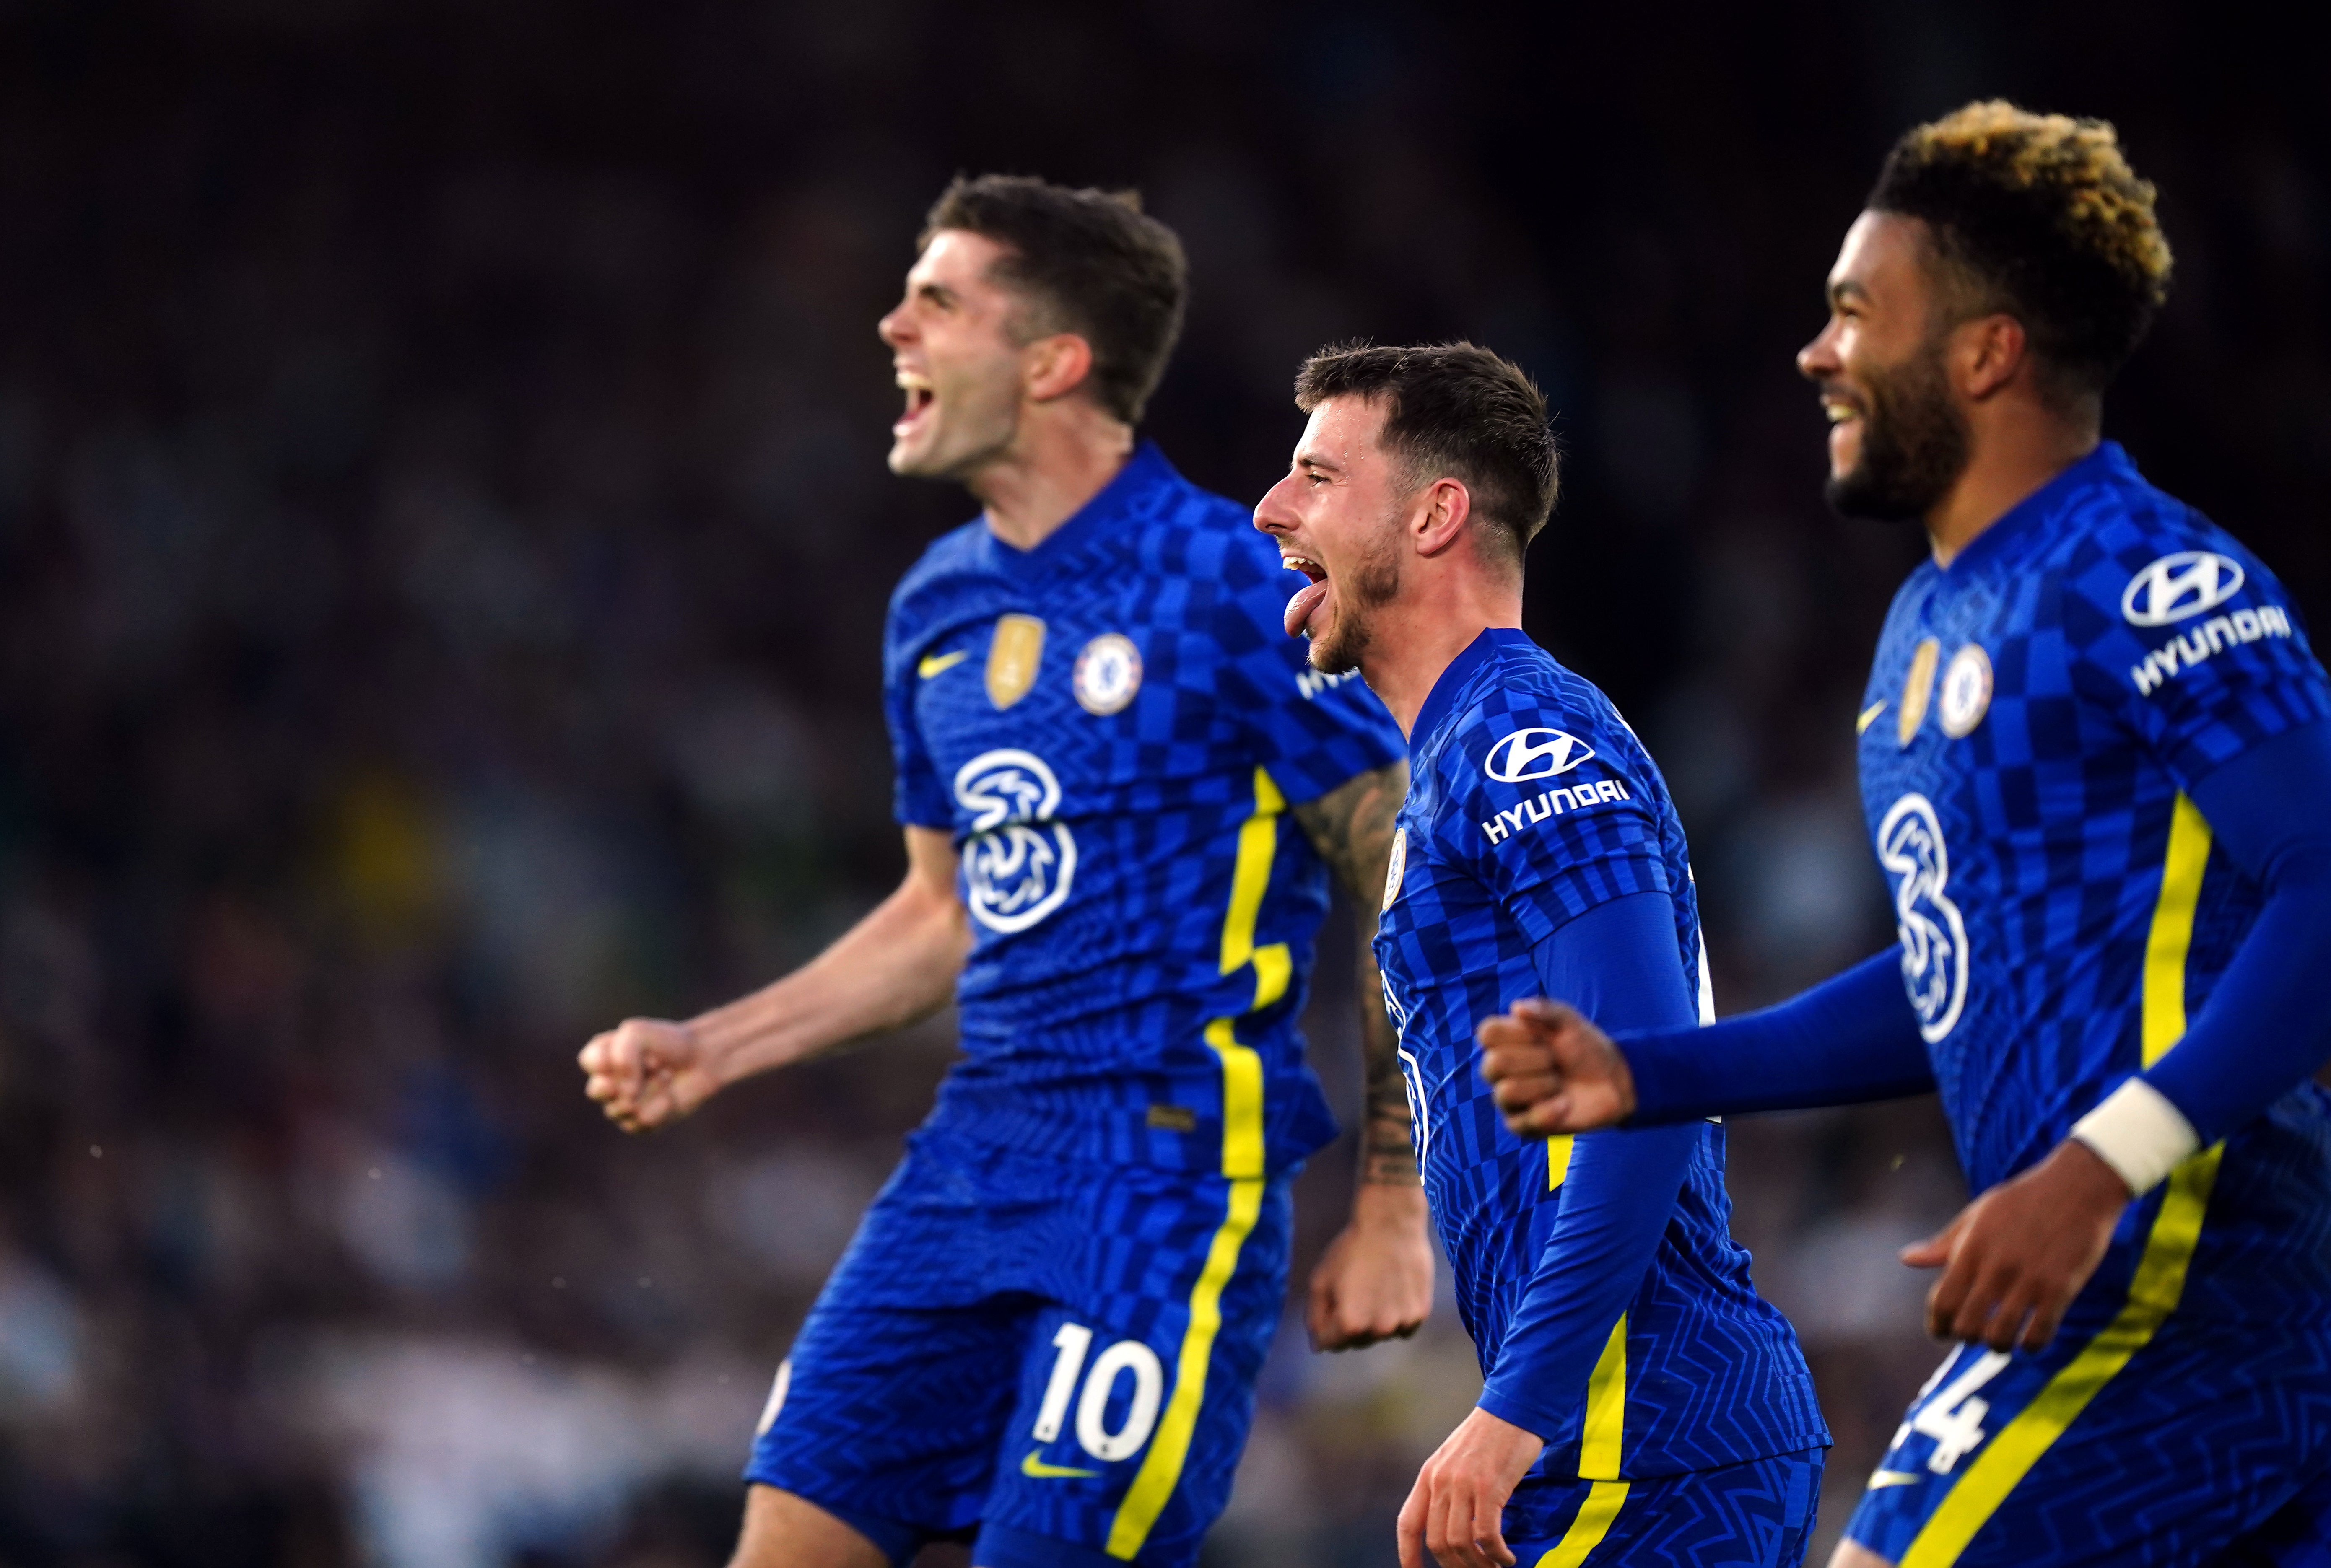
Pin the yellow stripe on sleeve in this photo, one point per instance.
(2159, 1281)
(1557, 1160)
(1599, 1441)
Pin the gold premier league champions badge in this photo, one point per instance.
(1013, 658)
(1967, 691)
(1107, 674)
(1918, 689)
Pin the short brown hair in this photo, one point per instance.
(2041, 215)
(1457, 410)
(1092, 262)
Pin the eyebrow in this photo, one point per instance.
(1304, 460)
(1844, 287)
(938, 292)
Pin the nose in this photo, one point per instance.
(895, 328)
(1272, 514)
(1817, 359)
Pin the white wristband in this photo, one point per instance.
(2139, 1134)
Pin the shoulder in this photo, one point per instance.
(1209, 539)
(928, 587)
(1527, 717)
(2139, 560)
(950, 555)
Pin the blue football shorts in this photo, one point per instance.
(1054, 1360)
(2138, 1439)
(1759, 1513)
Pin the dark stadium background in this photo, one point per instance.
(443, 538)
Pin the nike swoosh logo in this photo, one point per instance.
(1869, 717)
(1037, 1469)
(940, 663)
(1884, 1478)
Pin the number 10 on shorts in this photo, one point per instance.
(1127, 1355)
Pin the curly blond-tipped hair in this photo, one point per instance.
(2041, 215)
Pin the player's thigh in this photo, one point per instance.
(1759, 1513)
(784, 1531)
(888, 1417)
(2120, 1443)
(1138, 1391)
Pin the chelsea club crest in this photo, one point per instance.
(1107, 674)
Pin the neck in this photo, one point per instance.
(1412, 641)
(2014, 452)
(1059, 459)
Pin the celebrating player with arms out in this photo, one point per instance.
(1643, 1404)
(1045, 1336)
(2094, 759)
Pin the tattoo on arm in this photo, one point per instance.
(1352, 829)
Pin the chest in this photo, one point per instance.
(1969, 704)
(1030, 709)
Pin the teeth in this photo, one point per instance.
(1303, 564)
(1838, 413)
(913, 383)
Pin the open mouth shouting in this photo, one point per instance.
(1309, 598)
(921, 400)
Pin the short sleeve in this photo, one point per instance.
(918, 798)
(2198, 649)
(1572, 823)
(1314, 732)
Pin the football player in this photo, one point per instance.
(2093, 758)
(1643, 1404)
(1122, 792)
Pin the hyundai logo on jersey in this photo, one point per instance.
(2181, 584)
(1528, 754)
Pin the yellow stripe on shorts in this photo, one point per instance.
(1587, 1530)
(2160, 1278)
(1242, 1165)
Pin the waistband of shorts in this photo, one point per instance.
(1170, 1121)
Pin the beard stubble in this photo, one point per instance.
(1371, 585)
(1914, 443)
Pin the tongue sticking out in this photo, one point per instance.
(1298, 609)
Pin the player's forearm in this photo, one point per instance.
(1618, 963)
(896, 965)
(2267, 1025)
(1387, 1150)
(1850, 1040)
(1352, 828)
(1617, 1196)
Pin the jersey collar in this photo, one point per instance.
(2043, 505)
(1099, 520)
(1441, 702)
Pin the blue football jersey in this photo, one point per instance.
(1530, 802)
(2037, 718)
(1113, 727)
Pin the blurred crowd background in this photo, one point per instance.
(444, 542)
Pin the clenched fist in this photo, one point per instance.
(1552, 1070)
(646, 1073)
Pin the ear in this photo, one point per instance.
(1437, 516)
(1053, 367)
(1987, 354)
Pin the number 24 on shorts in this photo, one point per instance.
(1954, 1417)
(1127, 1355)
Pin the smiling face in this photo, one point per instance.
(1337, 517)
(1898, 441)
(954, 346)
